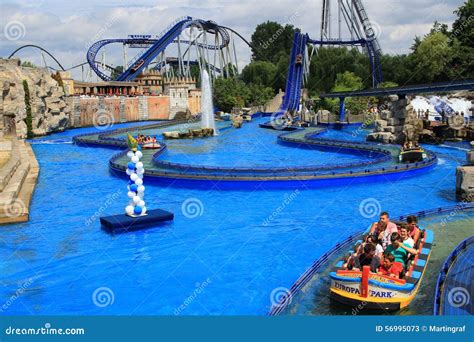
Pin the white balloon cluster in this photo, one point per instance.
(136, 190)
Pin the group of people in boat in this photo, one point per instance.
(146, 139)
(411, 145)
(387, 248)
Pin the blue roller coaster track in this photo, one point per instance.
(156, 46)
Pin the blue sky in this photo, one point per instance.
(66, 28)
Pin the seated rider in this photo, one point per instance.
(413, 229)
(373, 239)
(368, 258)
(389, 267)
(399, 249)
(407, 240)
(378, 228)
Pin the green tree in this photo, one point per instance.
(462, 43)
(28, 64)
(432, 56)
(348, 81)
(398, 68)
(439, 27)
(388, 84)
(270, 40)
(259, 95)
(281, 73)
(260, 72)
(463, 26)
(116, 72)
(229, 93)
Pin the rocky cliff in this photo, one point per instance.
(397, 123)
(49, 108)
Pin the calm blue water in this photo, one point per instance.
(247, 147)
(242, 246)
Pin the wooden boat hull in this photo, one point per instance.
(384, 293)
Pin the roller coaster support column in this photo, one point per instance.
(342, 109)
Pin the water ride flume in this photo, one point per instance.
(136, 215)
(367, 290)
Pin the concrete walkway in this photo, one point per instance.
(18, 177)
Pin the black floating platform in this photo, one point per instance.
(125, 223)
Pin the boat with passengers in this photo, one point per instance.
(411, 153)
(381, 290)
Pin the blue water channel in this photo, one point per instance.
(224, 253)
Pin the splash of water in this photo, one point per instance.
(207, 107)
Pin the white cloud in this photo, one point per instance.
(65, 28)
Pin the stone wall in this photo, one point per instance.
(89, 111)
(194, 105)
(465, 178)
(50, 110)
(53, 111)
(158, 107)
(397, 123)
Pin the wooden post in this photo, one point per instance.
(364, 282)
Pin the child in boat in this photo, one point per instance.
(413, 229)
(399, 249)
(368, 258)
(389, 267)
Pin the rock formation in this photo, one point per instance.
(50, 112)
(397, 123)
(465, 178)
